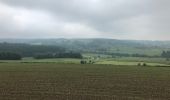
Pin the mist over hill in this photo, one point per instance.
(98, 42)
(97, 45)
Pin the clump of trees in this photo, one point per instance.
(142, 64)
(9, 56)
(58, 55)
(83, 62)
(166, 54)
(88, 60)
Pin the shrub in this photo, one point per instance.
(144, 64)
(139, 64)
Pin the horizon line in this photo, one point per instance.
(81, 38)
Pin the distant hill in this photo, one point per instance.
(100, 45)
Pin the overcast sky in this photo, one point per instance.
(117, 19)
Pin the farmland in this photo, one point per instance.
(84, 69)
(53, 81)
(84, 50)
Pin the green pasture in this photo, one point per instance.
(102, 60)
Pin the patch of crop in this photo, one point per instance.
(51, 81)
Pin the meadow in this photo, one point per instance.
(134, 61)
(104, 59)
(53, 81)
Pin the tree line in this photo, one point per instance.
(26, 50)
(130, 55)
(58, 55)
(9, 56)
(165, 54)
(14, 51)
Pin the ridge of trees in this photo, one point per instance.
(26, 50)
(37, 51)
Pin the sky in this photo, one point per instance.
(117, 19)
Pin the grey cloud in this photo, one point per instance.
(104, 17)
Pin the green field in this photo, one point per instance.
(103, 60)
(134, 61)
(55, 60)
(52, 81)
(111, 62)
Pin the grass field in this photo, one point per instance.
(111, 62)
(32, 60)
(140, 59)
(107, 59)
(134, 61)
(51, 81)
(103, 60)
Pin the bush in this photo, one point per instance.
(144, 64)
(139, 64)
